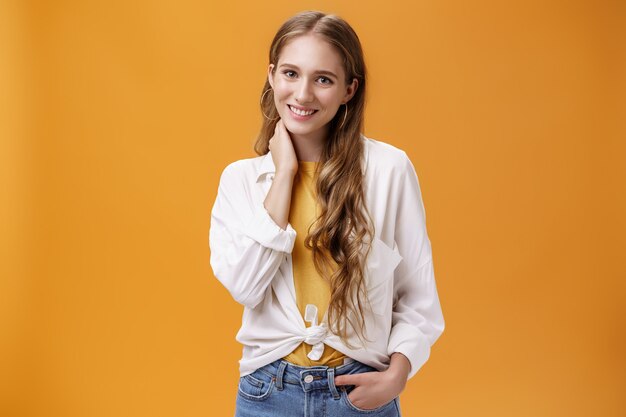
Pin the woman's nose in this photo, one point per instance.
(304, 92)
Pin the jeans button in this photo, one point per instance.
(308, 379)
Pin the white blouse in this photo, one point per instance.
(251, 257)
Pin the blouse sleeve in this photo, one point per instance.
(247, 246)
(417, 320)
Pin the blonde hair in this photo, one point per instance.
(344, 225)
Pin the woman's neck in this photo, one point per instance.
(308, 148)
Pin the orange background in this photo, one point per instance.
(117, 118)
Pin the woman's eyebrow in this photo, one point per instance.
(316, 72)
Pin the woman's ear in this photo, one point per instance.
(351, 89)
(270, 75)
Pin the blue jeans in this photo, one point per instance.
(284, 389)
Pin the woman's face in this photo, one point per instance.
(309, 86)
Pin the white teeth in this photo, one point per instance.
(301, 112)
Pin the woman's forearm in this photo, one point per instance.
(400, 367)
(278, 199)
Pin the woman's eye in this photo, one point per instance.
(292, 74)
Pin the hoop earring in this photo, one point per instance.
(262, 98)
(344, 116)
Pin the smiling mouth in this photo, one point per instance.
(300, 112)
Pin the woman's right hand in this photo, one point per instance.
(278, 199)
(283, 153)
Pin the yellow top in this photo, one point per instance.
(310, 287)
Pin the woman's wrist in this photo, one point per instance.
(399, 368)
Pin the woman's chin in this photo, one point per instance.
(297, 129)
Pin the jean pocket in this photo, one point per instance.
(256, 386)
(344, 396)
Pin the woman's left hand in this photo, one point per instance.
(372, 389)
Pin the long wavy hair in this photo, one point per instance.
(343, 227)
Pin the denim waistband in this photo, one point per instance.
(311, 377)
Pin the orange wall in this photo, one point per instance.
(117, 119)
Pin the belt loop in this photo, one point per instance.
(279, 375)
(331, 383)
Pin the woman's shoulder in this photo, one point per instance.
(381, 154)
(243, 172)
(244, 167)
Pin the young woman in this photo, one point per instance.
(322, 238)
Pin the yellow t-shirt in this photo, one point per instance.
(310, 287)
